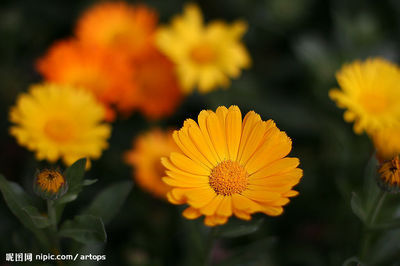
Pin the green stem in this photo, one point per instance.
(53, 228)
(369, 223)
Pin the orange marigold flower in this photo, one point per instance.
(229, 166)
(145, 158)
(107, 76)
(158, 92)
(119, 26)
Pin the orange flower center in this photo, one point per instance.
(59, 130)
(374, 102)
(50, 180)
(203, 53)
(228, 178)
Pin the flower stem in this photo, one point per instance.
(370, 221)
(53, 227)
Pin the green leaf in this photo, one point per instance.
(393, 224)
(237, 228)
(371, 189)
(74, 177)
(67, 198)
(85, 229)
(108, 202)
(38, 219)
(88, 182)
(357, 207)
(23, 208)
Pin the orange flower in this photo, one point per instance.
(145, 157)
(158, 92)
(106, 75)
(119, 26)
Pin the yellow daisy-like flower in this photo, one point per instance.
(58, 121)
(369, 91)
(206, 55)
(387, 142)
(145, 158)
(228, 166)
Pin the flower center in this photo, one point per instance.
(50, 180)
(374, 102)
(228, 178)
(203, 53)
(59, 130)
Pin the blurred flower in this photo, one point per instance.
(231, 167)
(57, 121)
(106, 75)
(387, 142)
(145, 158)
(370, 92)
(50, 184)
(389, 173)
(158, 92)
(119, 26)
(206, 55)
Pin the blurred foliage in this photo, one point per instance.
(296, 47)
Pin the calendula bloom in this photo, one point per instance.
(145, 160)
(369, 91)
(158, 92)
(389, 173)
(108, 76)
(387, 142)
(231, 167)
(50, 184)
(120, 27)
(207, 56)
(57, 121)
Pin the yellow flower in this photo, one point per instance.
(370, 93)
(206, 55)
(145, 159)
(57, 121)
(390, 175)
(228, 166)
(387, 142)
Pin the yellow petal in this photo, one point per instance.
(199, 140)
(233, 131)
(278, 166)
(261, 195)
(182, 139)
(242, 214)
(243, 203)
(191, 213)
(275, 147)
(202, 118)
(187, 165)
(199, 197)
(273, 210)
(249, 121)
(254, 140)
(225, 207)
(212, 206)
(217, 136)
